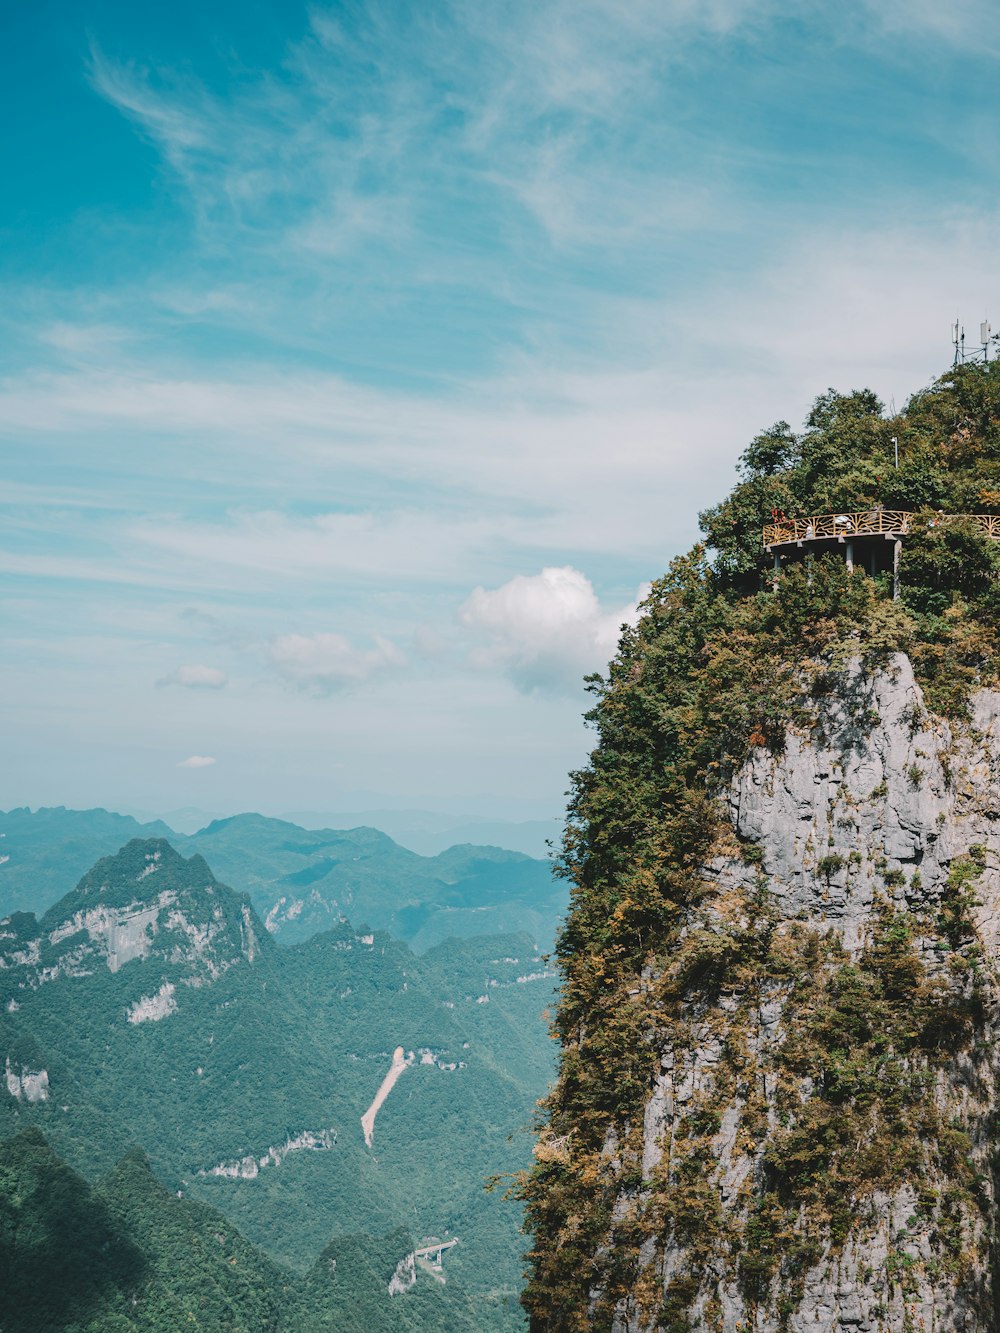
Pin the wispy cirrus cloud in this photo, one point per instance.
(177, 123)
(323, 663)
(546, 107)
(571, 115)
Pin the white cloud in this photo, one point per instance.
(323, 663)
(197, 761)
(545, 630)
(177, 127)
(196, 677)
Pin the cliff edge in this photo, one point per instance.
(879, 852)
(777, 1101)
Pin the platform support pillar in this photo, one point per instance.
(897, 546)
(849, 550)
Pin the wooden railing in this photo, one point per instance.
(865, 523)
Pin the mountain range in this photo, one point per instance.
(300, 880)
(341, 1086)
(424, 831)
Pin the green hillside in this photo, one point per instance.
(163, 1016)
(126, 1254)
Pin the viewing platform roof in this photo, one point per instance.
(873, 522)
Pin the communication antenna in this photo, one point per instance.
(958, 342)
(987, 339)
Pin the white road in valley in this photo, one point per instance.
(400, 1061)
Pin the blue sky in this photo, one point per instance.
(361, 362)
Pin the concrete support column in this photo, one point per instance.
(777, 571)
(897, 546)
(850, 557)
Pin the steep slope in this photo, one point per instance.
(775, 1107)
(815, 1147)
(150, 1007)
(126, 1254)
(145, 903)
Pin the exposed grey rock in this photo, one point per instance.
(877, 788)
(30, 1085)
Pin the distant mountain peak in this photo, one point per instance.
(301, 880)
(139, 872)
(148, 904)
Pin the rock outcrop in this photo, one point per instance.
(815, 1153)
(886, 788)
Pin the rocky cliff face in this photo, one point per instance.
(817, 1147)
(884, 787)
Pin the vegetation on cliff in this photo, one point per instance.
(651, 956)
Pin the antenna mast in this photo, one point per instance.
(981, 353)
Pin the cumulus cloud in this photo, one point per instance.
(196, 677)
(323, 663)
(197, 761)
(545, 630)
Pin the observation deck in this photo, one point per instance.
(874, 536)
(875, 522)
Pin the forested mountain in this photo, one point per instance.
(149, 1007)
(776, 1107)
(429, 833)
(300, 880)
(126, 1254)
(303, 880)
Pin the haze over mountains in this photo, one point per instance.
(426, 832)
(300, 880)
(150, 1009)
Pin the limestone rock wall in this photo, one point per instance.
(875, 804)
(906, 793)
